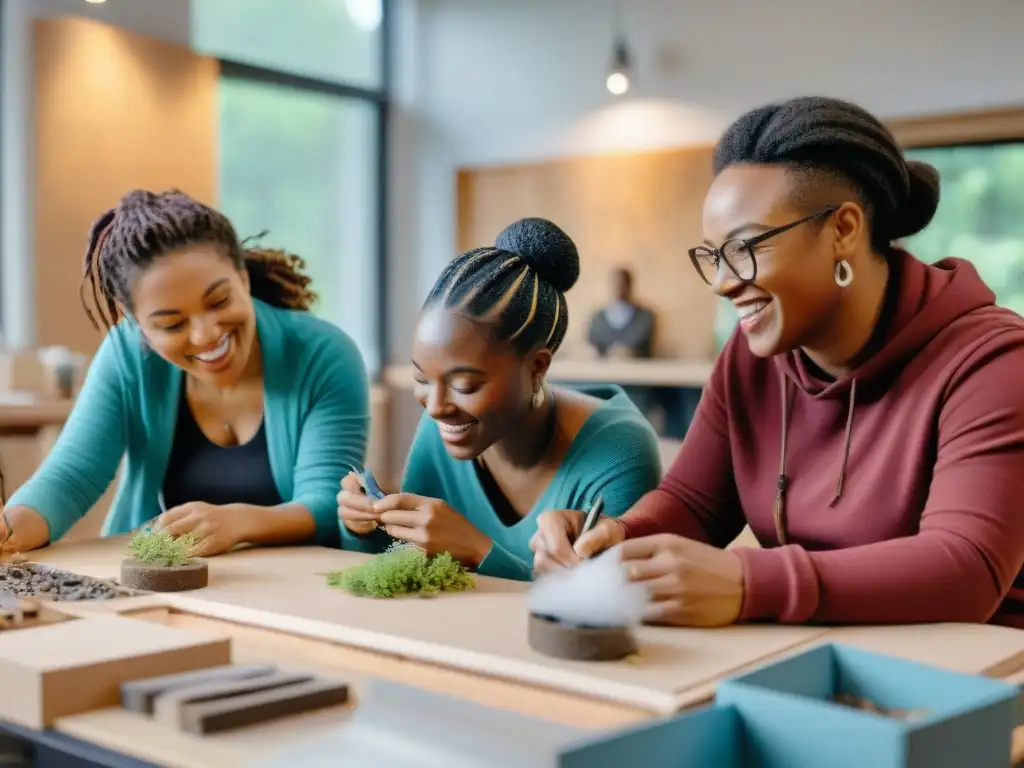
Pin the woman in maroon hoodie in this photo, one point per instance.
(866, 419)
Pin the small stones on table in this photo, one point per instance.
(39, 580)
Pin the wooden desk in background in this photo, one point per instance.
(29, 426)
(640, 373)
(24, 413)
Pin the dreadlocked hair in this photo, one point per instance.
(146, 225)
(832, 147)
(517, 287)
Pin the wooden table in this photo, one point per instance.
(275, 605)
(646, 372)
(22, 413)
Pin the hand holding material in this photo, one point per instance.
(21, 530)
(432, 525)
(355, 508)
(563, 538)
(690, 583)
(219, 527)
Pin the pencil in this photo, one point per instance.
(593, 515)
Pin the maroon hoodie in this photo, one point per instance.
(902, 484)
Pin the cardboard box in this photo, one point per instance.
(76, 666)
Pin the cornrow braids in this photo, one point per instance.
(517, 287)
(146, 225)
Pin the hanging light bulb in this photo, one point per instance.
(621, 69)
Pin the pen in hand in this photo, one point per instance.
(593, 516)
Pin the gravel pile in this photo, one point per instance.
(37, 580)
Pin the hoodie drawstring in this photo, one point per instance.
(782, 483)
(846, 443)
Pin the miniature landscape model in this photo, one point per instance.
(587, 613)
(161, 562)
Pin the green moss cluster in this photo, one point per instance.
(403, 569)
(161, 549)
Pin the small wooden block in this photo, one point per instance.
(70, 667)
(170, 707)
(139, 695)
(253, 708)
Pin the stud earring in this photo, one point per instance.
(844, 273)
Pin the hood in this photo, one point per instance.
(925, 299)
(921, 301)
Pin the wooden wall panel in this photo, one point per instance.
(112, 110)
(638, 210)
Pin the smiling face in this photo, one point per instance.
(476, 390)
(194, 308)
(794, 295)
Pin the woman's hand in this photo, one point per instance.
(219, 527)
(691, 584)
(22, 529)
(432, 525)
(555, 544)
(355, 508)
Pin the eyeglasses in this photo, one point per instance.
(738, 254)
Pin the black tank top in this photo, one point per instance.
(201, 470)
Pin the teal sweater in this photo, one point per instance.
(614, 455)
(316, 416)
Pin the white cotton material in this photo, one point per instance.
(596, 593)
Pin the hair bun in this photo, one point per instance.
(922, 201)
(546, 248)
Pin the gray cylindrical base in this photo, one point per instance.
(154, 578)
(580, 643)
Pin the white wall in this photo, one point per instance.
(519, 80)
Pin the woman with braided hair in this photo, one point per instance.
(238, 411)
(497, 445)
(866, 419)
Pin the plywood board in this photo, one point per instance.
(78, 665)
(481, 631)
(484, 631)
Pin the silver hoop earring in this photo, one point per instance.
(844, 273)
(538, 397)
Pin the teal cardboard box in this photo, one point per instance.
(905, 715)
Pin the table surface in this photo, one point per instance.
(275, 606)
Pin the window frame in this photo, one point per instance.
(379, 98)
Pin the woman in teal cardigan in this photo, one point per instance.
(237, 411)
(497, 446)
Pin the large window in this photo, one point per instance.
(302, 109)
(981, 214)
(334, 40)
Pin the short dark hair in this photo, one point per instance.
(517, 287)
(146, 225)
(824, 140)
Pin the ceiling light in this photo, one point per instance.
(619, 74)
(366, 14)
